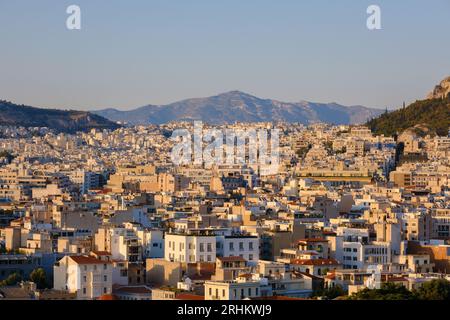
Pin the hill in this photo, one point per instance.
(236, 106)
(432, 114)
(59, 120)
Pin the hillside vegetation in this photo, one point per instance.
(434, 114)
(60, 120)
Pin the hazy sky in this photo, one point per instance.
(136, 52)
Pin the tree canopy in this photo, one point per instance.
(39, 277)
(437, 289)
(433, 114)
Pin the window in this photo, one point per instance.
(105, 290)
(241, 246)
(223, 293)
(249, 292)
(105, 267)
(202, 247)
(209, 258)
(250, 245)
(84, 278)
(209, 248)
(84, 290)
(250, 257)
(105, 278)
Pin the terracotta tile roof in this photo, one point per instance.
(108, 297)
(188, 296)
(87, 260)
(101, 253)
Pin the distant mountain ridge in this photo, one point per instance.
(69, 121)
(236, 106)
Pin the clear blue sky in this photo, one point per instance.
(136, 52)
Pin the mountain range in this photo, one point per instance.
(236, 106)
(59, 120)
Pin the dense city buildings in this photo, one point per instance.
(106, 214)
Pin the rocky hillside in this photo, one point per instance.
(441, 91)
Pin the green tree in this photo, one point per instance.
(12, 280)
(388, 291)
(434, 115)
(438, 289)
(39, 277)
(330, 293)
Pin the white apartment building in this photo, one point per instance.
(87, 276)
(122, 243)
(246, 247)
(152, 242)
(440, 220)
(354, 250)
(357, 255)
(190, 248)
(234, 290)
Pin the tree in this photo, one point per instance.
(12, 280)
(7, 155)
(432, 114)
(388, 291)
(330, 293)
(39, 277)
(438, 289)
(303, 151)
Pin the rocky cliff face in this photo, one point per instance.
(441, 91)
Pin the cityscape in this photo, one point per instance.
(229, 197)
